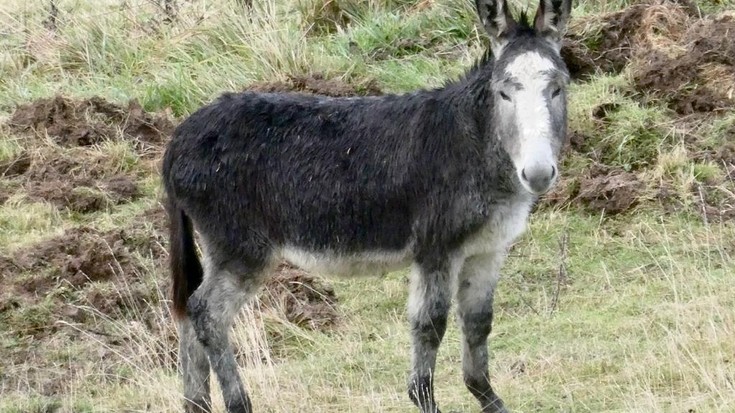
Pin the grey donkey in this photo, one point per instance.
(439, 180)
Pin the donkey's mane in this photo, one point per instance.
(523, 20)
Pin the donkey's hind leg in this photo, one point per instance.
(212, 309)
(194, 367)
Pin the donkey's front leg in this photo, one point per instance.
(477, 281)
(428, 305)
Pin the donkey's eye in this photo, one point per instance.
(504, 96)
(556, 92)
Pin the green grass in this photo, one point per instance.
(641, 319)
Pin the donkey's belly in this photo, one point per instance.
(373, 263)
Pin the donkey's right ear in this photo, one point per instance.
(497, 21)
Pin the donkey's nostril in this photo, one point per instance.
(523, 174)
(553, 171)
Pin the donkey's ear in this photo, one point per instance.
(551, 18)
(497, 20)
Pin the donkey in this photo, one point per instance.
(442, 180)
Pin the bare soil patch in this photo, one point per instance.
(88, 279)
(57, 297)
(319, 85)
(79, 256)
(104, 270)
(603, 43)
(90, 121)
(77, 178)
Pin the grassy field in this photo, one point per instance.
(619, 298)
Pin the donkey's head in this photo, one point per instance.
(528, 86)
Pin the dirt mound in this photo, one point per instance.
(79, 256)
(599, 189)
(608, 42)
(696, 73)
(81, 289)
(84, 266)
(601, 43)
(675, 56)
(76, 179)
(317, 84)
(610, 190)
(84, 196)
(90, 121)
(303, 299)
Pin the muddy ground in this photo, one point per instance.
(74, 179)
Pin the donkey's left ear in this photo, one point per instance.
(551, 19)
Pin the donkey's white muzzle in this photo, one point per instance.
(537, 171)
(538, 178)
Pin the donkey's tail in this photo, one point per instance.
(186, 269)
